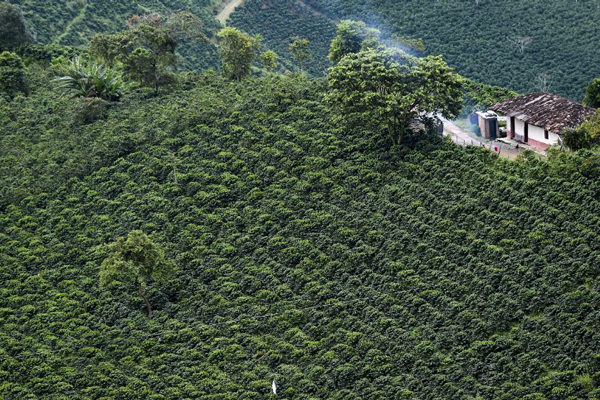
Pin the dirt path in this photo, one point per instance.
(463, 138)
(77, 19)
(230, 6)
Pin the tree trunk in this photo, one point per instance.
(141, 292)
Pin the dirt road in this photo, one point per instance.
(464, 138)
(230, 6)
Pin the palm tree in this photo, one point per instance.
(90, 80)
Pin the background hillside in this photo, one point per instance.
(74, 22)
(477, 37)
(307, 254)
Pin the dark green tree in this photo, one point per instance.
(584, 136)
(12, 74)
(352, 37)
(300, 51)
(269, 60)
(146, 52)
(371, 89)
(237, 50)
(13, 28)
(592, 94)
(136, 261)
(182, 25)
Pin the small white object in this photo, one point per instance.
(274, 387)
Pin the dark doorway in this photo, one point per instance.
(526, 136)
(512, 127)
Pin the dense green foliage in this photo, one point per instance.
(372, 90)
(146, 52)
(13, 28)
(300, 51)
(237, 50)
(12, 75)
(352, 37)
(80, 79)
(587, 135)
(269, 60)
(508, 43)
(480, 96)
(306, 253)
(480, 38)
(137, 261)
(592, 94)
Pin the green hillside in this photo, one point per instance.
(306, 254)
(74, 22)
(477, 37)
(278, 22)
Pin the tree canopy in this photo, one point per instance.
(352, 37)
(12, 75)
(373, 90)
(13, 28)
(300, 51)
(137, 261)
(237, 50)
(592, 94)
(146, 51)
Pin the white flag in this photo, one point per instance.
(274, 387)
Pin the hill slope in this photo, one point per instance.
(306, 255)
(475, 37)
(74, 22)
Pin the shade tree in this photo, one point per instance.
(12, 75)
(237, 50)
(352, 37)
(13, 27)
(371, 89)
(592, 94)
(300, 51)
(136, 261)
(145, 51)
(269, 60)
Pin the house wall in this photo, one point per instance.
(535, 134)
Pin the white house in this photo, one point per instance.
(538, 118)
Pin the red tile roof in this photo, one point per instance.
(545, 110)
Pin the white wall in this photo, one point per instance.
(519, 127)
(534, 133)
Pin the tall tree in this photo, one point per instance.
(13, 28)
(269, 60)
(592, 94)
(135, 260)
(300, 51)
(352, 37)
(371, 89)
(237, 50)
